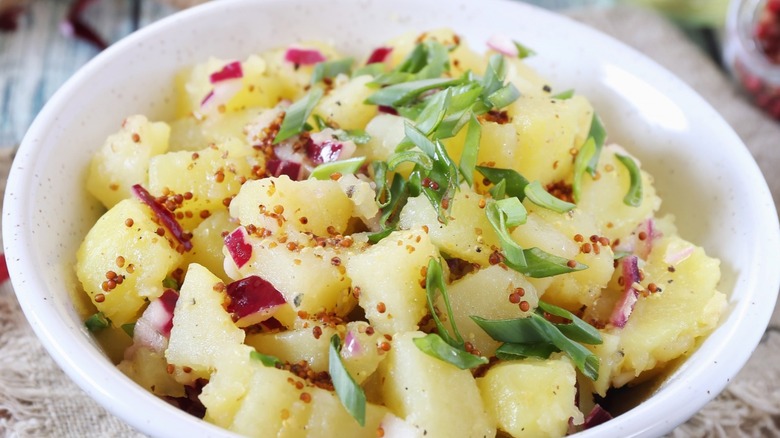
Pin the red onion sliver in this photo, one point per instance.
(597, 415)
(625, 305)
(283, 167)
(303, 56)
(164, 215)
(159, 313)
(251, 295)
(651, 234)
(352, 345)
(387, 110)
(238, 247)
(325, 152)
(379, 54)
(229, 71)
(502, 45)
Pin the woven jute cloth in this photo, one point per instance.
(38, 400)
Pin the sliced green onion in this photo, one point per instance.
(494, 75)
(331, 69)
(498, 191)
(520, 351)
(433, 345)
(129, 328)
(599, 135)
(419, 139)
(97, 322)
(539, 196)
(515, 183)
(344, 167)
(563, 95)
(435, 285)
(523, 51)
(514, 210)
(587, 151)
(433, 113)
(394, 199)
(405, 92)
(634, 196)
(498, 219)
(170, 283)
(468, 158)
(350, 393)
(266, 359)
(357, 136)
(413, 156)
(504, 96)
(577, 330)
(540, 264)
(296, 115)
(374, 69)
(319, 122)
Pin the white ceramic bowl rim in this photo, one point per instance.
(53, 322)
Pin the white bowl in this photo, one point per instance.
(703, 172)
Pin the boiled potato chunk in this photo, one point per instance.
(485, 293)
(434, 396)
(547, 131)
(294, 346)
(361, 353)
(386, 131)
(294, 79)
(149, 369)
(390, 278)
(532, 397)
(666, 324)
(207, 242)
(603, 197)
(311, 278)
(467, 234)
(344, 105)
(313, 206)
(211, 175)
(124, 241)
(124, 159)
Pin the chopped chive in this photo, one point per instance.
(539, 196)
(634, 196)
(97, 322)
(331, 69)
(296, 115)
(433, 345)
(344, 167)
(266, 359)
(349, 392)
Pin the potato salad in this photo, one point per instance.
(427, 240)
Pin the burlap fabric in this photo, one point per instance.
(38, 400)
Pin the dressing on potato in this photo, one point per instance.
(431, 242)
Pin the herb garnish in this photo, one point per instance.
(350, 393)
(97, 322)
(344, 167)
(331, 69)
(296, 115)
(539, 196)
(266, 359)
(634, 195)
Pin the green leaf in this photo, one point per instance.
(599, 135)
(357, 136)
(129, 328)
(515, 183)
(513, 253)
(344, 167)
(468, 158)
(433, 345)
(540, 264)
(523, 51)
(434, 285)
(266, 359)
(520, 351)
(331, 69)
(414, 156)
(539, 196)
(350, 393)
(577, 330)
(634, 196)
(504, 96)
(584, 156)
(97, 322)
(296, 115)
(405, 92)
(374, 69)
(563, 95)
(170, 283)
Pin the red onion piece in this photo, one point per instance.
(303, 56)
(164, 215)
(379, 54)
(625, 305)
(253, 300)
(283, 167)
(160, 312)
(352, 345)
(387, 110)
(221, 94)
(229, 71)
(239, 249)
(650, 233)
(502, 45)
(673, 258)
(597, 415)
(324, 152)
(272, 324)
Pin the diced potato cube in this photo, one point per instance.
(313, 206)
(486, 293)
(390, 277)
(296, 345)
(430, 394)
(124, 241)
(210, 175)
(150, 370)
(532, 397)
(124, 159)
(467, 235)
(294, 79)
(361, 353)
(207, 242)
(344, 104)
(386, 131)
(363, 198)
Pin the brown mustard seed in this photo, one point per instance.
(136, 137)
(129, 222)
(384, 346)
(306, 397)
(317, 331)
(120, 261)
(99, 298)
(381, 307)
(642, 235)
(571, 264)
(524, 306)
(579, 238)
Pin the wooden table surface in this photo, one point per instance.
(36, 59)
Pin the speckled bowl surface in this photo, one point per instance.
(703, 172)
